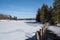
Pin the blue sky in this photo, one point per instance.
(22, 8)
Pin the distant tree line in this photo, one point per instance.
(27, 19)
(49, 14)
(9, 17)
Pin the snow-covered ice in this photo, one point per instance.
(21, 30)
(17, 30)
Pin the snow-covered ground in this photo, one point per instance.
(17, 30)
(55, 30)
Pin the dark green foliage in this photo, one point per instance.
(43, 14)
(15, 18)
(52, 15)
(10, 17)
(38, 16)
(57, 5)
(57, 10)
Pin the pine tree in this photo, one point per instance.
(15, 18)
(44, 10)
(41, 14)
(57, 10)
(38, 16)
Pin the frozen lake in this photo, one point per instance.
(22, 29)
(18, 30)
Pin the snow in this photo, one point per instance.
(55, 30)
(22, 29)
(58, 25)
(17, 30)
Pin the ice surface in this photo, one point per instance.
(17, 30)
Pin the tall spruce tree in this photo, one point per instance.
(42, 13)
(38, 15)
(57, 10)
